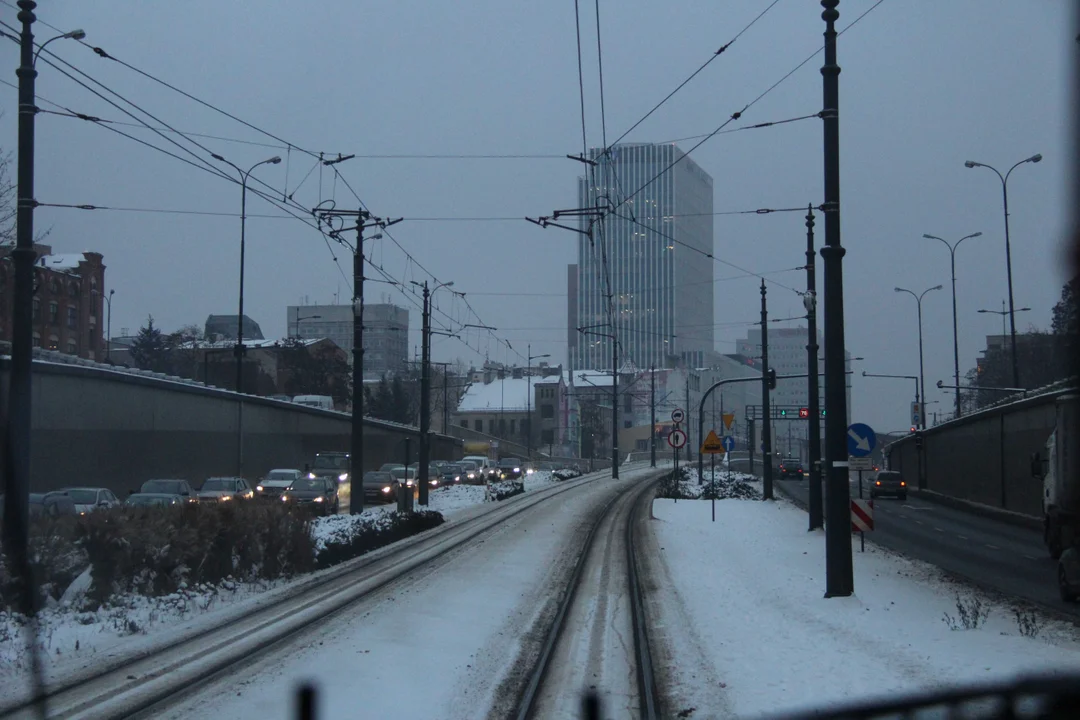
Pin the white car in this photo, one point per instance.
(276, 482)
(88, 499)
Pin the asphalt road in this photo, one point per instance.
(999, 556)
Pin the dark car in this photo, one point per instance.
(510, 469)
(791, 468)
(153, 500)
(334, 465)
(170, 487)
(226, 488)
(318, 494)
(888, 482)
(52, 504)
(381, 485)
(452, 473)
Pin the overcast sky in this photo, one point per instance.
(925, 86)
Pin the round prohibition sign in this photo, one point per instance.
(676, 439)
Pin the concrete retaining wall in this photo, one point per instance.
(985, 457)
(102, 427)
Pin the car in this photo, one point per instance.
(401, 472)
(473, 475)
(170, 487)
(226, 488)
(319, 493)
(510, 469)
(452, 473)
(1069, 574)
(791, 467)
(153, 500)
(434, 475)
(88, 499)
(382, 485)
(888, 482)
(52, 504)
(276, 482)
(331, 464)
(485, 466)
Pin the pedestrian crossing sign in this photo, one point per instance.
(712, 445)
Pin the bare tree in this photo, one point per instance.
(8, 191)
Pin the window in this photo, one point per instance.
(73, 290)
(465, 423)
(491, 426)
(547, 412)
(54, 342)
(513, 426)
(628, 403)
(642, 444)
(479, 425)
(502, 427)
(72, 318)
(628, 424)
(547, 436)
(54, 313)
(37, 310)
(72, 347)
(37, 340)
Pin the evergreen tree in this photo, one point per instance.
(151, 349)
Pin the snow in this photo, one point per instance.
(508, 393)
(588, 377)
(62, 262)
(763, 639)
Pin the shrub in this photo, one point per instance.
(1028, 622)
(504, 489)
(565, 474)
(971, 613)
(343, 537)
(672, 485)
(55, 560)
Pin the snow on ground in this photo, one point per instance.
(764, 639)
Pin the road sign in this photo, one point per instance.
(729, 443)
(861, 440)
(712, 445)
(862, 515)
(916, 414)
(729, 419)
(677, 415)
(676, 438)
(860, 463)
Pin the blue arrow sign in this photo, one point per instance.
(861, 440)
(729, 443)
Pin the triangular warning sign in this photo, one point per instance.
(712, 445)
(729, 418)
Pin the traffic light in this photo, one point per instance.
(772, 379)
(823, 412)
(804, 413)
(783, 412)
(912, 428)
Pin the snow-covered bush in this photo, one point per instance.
(565, 474)
(505, 488)
(54, 556)
(342, 537)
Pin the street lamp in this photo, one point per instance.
(528, 411)
(16, 513)
(922, 382)
(240, 317)
(1004, 313)
(955, 342)
(306, 317)
(425, 387)
(1037, 157)
(108, 323)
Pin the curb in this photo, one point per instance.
(1006, 516)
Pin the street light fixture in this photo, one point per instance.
(922, 382)
(528, 399)
(244, 176)
(425, 388)
(306, 317)
(956, 345)
(1004, 313)
(1037, 157)
(108, 323)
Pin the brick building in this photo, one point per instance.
(68, 301)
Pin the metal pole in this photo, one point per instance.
(240, 335)
(614, 407)
(1008, 269)
(446, 401)
(17, 486)
(689, 455)
(922, 379)
(425, 399)
(108, 329)
(813, 399)
(955, 336)
(528, 401)
(356, 435)
(750, 444)
(652, 416)
(766, 425)
(839, 581)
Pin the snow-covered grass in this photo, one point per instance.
(721, 484)
(765, 640)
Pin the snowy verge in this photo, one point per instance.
(751, 588)
(720, 485)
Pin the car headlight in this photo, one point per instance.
(517, 469)
(311, 476)
(343, 477)
(320, 499)
(259, 488)
(434, 482)
(284, 498)
(471, 476)
(409, 483)
(386, 489)
(530, 471)
(457, 478)
(226, 497)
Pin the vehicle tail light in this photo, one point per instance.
(878, 482)
(903, 484)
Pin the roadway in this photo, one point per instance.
(993, 554)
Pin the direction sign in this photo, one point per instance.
(861, 440)
(860, 463)
(677, 415)
(916, 414)
(676, 438)
(712, 445)
(729, 418)
(729, 443)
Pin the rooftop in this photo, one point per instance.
(64, 262)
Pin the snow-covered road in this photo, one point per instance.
(747, 631)
(453, 640)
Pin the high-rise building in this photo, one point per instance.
(386, 332)
(646, 262)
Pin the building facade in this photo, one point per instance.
(386, 332)
(68, 303)
(223, 327)
(647, 256)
